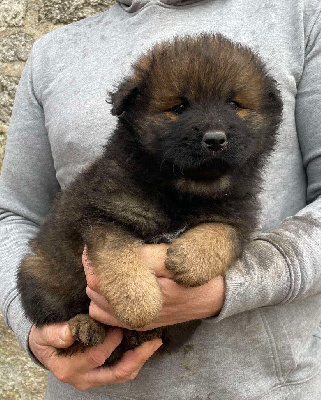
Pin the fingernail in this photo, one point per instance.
(157, 346)
(64, 334)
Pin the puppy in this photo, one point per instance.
(197, 120)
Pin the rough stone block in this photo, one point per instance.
(12, 13)
(66, 11)
(8, 87)
(20, 378)
(3, 138)
(16, 47)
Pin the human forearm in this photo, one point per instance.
(27, 187)
(279, 266)
(14, 237)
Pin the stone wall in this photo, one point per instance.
(21, 23)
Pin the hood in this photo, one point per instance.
(132, 6)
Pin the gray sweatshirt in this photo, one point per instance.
(266, 342)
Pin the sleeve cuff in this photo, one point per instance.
(260, 278)
(21, 325)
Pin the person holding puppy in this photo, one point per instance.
(260, 334)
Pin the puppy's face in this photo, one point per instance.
(204, 108)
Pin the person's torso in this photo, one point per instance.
(251, 354)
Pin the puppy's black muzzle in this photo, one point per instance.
(214, 140)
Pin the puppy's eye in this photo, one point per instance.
(234, 104)
(178, 109)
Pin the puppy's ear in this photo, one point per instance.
(125, 97)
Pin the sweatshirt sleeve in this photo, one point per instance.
(284, 265)
(27, 187)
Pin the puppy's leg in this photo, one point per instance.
(202, 253)
(53, 292)
(129, 286)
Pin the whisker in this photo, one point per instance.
(164, 159)
(174, 169)
(160, 168)
(181, 169)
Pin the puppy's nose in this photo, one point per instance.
(214, 140)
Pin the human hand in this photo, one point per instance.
(180, 304)
(85, 370)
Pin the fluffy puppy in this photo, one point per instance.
(197, 120)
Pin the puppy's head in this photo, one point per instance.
(204, 108)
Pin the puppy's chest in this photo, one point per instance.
(156, 216)
(173, 219)
(159, 227)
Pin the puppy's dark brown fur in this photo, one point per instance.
(197, 121)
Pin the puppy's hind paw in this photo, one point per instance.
(86, 330)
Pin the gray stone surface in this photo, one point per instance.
(20, 378)
(8, 87)
(2, 144)
(12, 13)
(65, 11)
(15, 47)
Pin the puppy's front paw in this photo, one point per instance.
(202, 253)
(187, 264)
(139, 302)
(125, 281)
